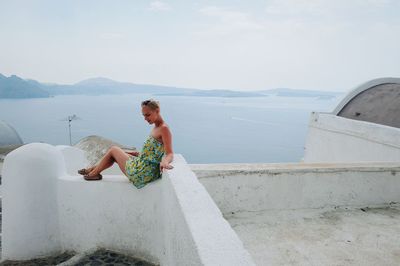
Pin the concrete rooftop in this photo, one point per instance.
(334, 236)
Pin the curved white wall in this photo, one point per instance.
(111, 214)
(196, 232)
(332, 138)
(172, 221)
(30, 225)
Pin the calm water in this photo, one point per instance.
(205, 129)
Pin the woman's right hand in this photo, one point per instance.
(133, 153)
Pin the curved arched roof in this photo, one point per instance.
(376, 101)
(8, 135)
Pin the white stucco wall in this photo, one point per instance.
(29, 202)
(332, 138)
(48, 209)
(110, 214)
(256, 187)
(74, 158)
(208, 237)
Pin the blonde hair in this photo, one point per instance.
(152, 104)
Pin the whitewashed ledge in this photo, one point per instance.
(258, 187)
(310, 213)
(48, 209)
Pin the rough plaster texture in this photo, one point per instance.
(310, 214)
(172, 221)
(299, 186)
(332, 138)
(327, 236)
(210, 234)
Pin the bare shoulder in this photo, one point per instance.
(165, 129)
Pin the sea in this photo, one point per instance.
(205, 129)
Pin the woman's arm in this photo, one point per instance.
(169, 154)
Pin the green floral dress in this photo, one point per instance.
(145, 168)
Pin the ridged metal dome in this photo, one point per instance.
(376, 101)
(8, 135)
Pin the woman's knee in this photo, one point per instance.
(116, 151)
(113, 149)
(111, 152)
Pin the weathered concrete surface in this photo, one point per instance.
(288, 214)
(321, 236)
(204, 237)
(257, 187)
(205, 170)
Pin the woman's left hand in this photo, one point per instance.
(164, 165)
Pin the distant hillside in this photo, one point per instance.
(282, 92)
(214, 93)
(15, 87)
(97, 86)
(286, 92)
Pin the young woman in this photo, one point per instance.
(146, 166)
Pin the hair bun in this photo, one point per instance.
(151, 103)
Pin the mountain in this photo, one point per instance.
(98, 82)
(286, 92)
(214, 93)
(97, 86)
(15, 87)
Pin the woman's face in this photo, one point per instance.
(149, 115)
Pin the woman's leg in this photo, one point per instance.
(114, 154)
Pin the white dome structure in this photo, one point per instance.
(376, 101)
(8, 135)
(364, 127)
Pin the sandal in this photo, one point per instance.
(92, 178)
(85, 171)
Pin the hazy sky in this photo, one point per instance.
(240, 45)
